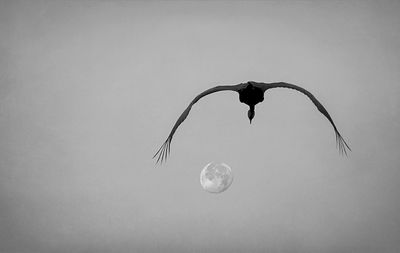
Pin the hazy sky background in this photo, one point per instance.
(89, 90)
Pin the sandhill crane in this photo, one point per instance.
(250, 93)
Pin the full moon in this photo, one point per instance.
(216, 177)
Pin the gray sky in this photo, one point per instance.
(90, 89)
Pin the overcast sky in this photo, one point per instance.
(89, 90)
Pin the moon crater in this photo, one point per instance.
(216, 177)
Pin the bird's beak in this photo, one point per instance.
(250, 121)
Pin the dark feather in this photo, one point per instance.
(164, 150)
(340, 142)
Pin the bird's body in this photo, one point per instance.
(250, 93)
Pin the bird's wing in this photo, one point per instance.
(164, 150)
(340, 142)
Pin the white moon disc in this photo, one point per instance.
(216, 177)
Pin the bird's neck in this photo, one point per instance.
(252, 108)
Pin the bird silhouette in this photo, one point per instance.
(250, 93)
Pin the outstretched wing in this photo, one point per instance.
(164, 150)
(340, 142)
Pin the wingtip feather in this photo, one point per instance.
(341, 144)
(163, 151)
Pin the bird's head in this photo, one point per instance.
(251, 114)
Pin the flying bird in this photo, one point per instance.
(250, 93)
